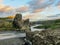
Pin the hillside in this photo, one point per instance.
(48, 24)
(5, 24)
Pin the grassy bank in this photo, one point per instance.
(52, 24)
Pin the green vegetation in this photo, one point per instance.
(4, 18)
(39, 27)
(14, 24)
(55, 24)
(5, 24)
(52, 24)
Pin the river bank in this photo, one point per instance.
(45, 37)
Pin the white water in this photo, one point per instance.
(35, 29)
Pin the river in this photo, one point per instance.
(35, 29)
(11, 38)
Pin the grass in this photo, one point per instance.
(7, 25)
(50, 25)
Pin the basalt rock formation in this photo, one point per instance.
(17, 22)
(20, 24)
(26, 25)
(47, 37)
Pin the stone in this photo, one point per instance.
(46, 37)
(17, 22)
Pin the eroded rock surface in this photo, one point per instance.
(47, 37)
(21, 24)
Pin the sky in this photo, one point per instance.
(15, 3)
(29, 7)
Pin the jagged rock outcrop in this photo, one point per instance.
(20, 24)
(47, 37)
(26, 25)
(17, 22)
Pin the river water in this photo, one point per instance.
(35, 29)
(12, 41)
(11, 38)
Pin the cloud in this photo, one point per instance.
(5, 8)
(48, 14)
(42, 4)
(22, 9)
(1, 6)
(35, 6)
(58, 7)
(38, 10)
(1, 0)
(49, 11)
(39, 4)
(8, 10)
(43, 7)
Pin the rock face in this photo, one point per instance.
(17, 22)
(47, 37)
(21, 24)
(26, 25)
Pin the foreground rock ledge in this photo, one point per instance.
(46, 37)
